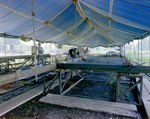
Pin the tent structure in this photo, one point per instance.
(76, 22)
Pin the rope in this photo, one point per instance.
(118, 19)
(139, 7)
(19, 12)
(43, 24)
(136, 4)
(51, 19)
(63, 34)
(80, 11)
(118, 28)
(81, 34)
(30, 17)
(61, 11)
(77, 25)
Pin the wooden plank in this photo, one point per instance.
(145, 97)
(146, 101)
(93, 105)
(26, 73)
(18, 100)
(147, 84)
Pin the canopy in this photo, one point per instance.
(76, 22)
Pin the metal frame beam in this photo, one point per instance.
(7, 66)
(70, 75)
(99, 67)
(132, 77)
(26, 73)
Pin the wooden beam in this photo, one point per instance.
(18, 100)
(26, 73)
(122, 109)
(146, 96)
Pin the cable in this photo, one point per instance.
(14, 9)
(47, 8)
(10, 19)
(19, 25)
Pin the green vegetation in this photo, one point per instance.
(145, 57)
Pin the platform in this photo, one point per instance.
(26, 73)
(20, 99)
(121, 109)
(146, 96)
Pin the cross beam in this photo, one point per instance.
(100, 67)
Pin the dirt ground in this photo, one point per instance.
(103, 88)
(37, 110)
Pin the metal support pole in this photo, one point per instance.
(149, 50)
(5, 45)
(129, 89)
(124, 49)
(49, 86)
(141, 87)
(130, 50)
(71, 74)
(77, 72)
(44, 85)
(134, 51)
(60, 84)
(20, 49)
(72, 86)
(141, 51)
(75, 22)
(33, 14)
(82, 73)
(118, 89)
(138, 49)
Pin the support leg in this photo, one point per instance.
(118, 89)
(60, 83)
(141, 87)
